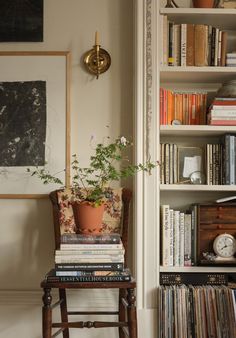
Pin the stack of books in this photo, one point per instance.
(231, 59)
(222, 112)
(89, 258)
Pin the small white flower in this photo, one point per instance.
(123, 141)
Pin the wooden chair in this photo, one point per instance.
(126, 309)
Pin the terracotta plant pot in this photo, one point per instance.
(203, 3)
(88, 218)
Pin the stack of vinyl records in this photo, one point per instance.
(222, 112)
(197, 311)
(89, 258)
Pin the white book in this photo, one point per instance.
(177, 44)
(90, 252)
(171, 237)
(217, 110)
(187, 239)
(183, 44)
(181, 228)
(220, 118)
(216, 46)
(219, 48)
(165, 40)
(91, 246)
(176, 238)
(165, 224)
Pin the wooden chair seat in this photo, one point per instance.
(126, 308)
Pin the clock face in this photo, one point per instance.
(225, 245)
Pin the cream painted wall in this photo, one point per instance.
(26, 240)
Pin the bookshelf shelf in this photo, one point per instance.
(178, 197)
(223, 18)
(199, 74)
(196, 187)
(194, 130)
(209, 269)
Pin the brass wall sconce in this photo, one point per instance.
(97, 60)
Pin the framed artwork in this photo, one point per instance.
(190, 162)
(34, 121)
(21, 20)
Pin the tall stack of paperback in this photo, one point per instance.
(222, 112)
(89, 258)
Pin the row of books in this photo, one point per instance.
(222, 112)
(189, 44)
(89, 258)
(178, 234)
(221, 161)
(186, 107)
(216, 162)
(197, 311)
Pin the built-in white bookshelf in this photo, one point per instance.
(209, 78)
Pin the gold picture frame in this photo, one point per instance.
(52, 69)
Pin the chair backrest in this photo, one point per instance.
(64, 220)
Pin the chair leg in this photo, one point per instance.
(132, 316)
(122, 293)
(47, 313)
(64, 315)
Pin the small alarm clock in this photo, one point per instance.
(224, 247)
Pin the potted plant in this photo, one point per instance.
(89, 184)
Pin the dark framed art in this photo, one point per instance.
(34, 121)
(21, 20)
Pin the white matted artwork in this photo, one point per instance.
(34, 121)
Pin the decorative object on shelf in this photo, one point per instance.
(90, 184)
(190, 165)
(97, 60)
(197, 177)
(21, 21)
(228, 89)
(224, 247)
(171, 3)
(203, 3)
(216, 229)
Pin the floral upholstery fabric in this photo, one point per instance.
(111, 218)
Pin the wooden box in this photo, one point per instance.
(213, 220)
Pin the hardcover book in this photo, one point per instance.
(111, 238)
(119, 276)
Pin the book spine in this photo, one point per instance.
(219, 48)
(90, 239)
(187, 239)
(171, 45)
(183, 44)
(177, 42)
(232, 159)
(85, 247)
(165, 221)
(216, 46)
(90, 266)
(176, 238)
(181, 227)
(201, 45)
(81, 253)
(171, 238)
(68, 279)
(224, 48)
(190, 49)
(74, 259)
(74, 273)
(165, 40)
